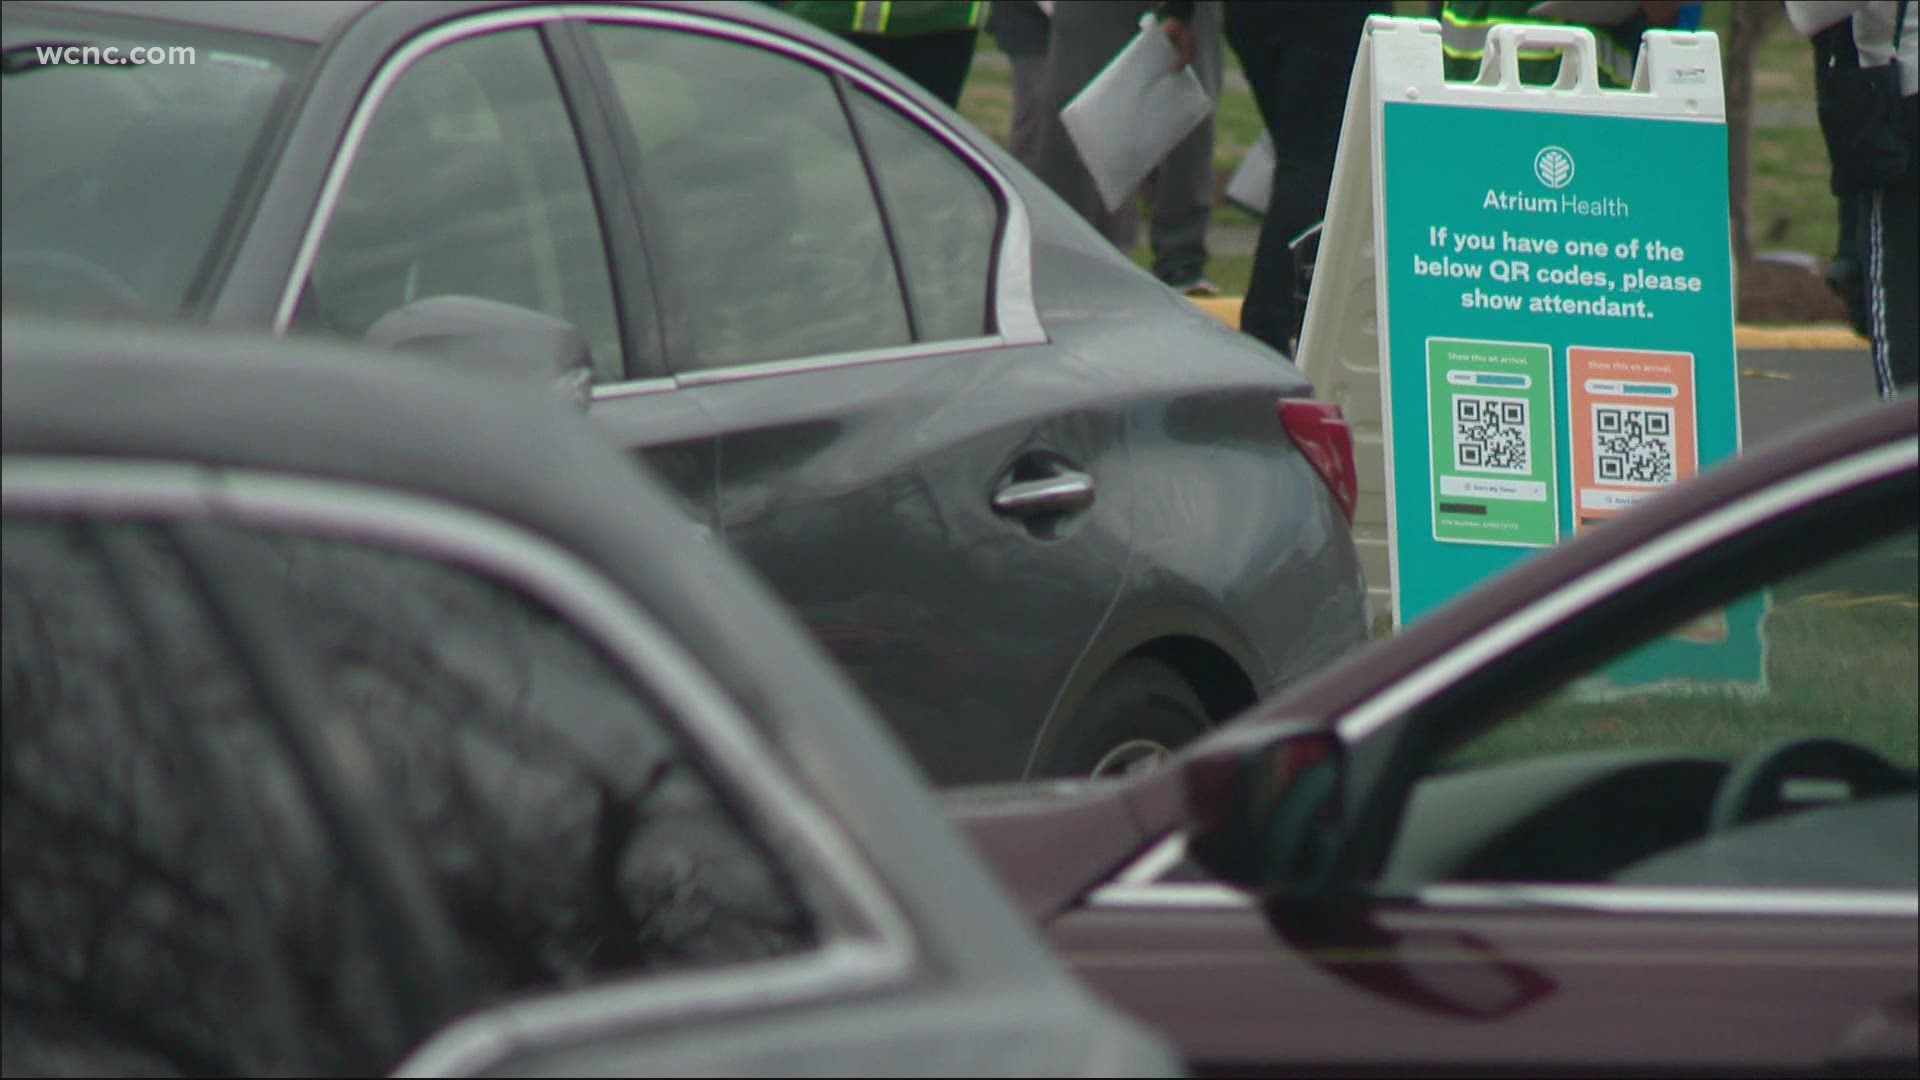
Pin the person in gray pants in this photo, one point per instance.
(1021, 30)
(1086, 35)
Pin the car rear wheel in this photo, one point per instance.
(1134, 718)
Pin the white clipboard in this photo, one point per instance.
(1251, 188)
(1134, 113)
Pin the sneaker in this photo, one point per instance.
(1199, 286)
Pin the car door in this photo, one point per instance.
(466, 173)
(940, 493)
(1688, 881)
(330, 781)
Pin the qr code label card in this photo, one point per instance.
(1633, 445)
(1492, 434)
(1634, 427)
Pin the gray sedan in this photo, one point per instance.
(1051, 519)
(329, 748)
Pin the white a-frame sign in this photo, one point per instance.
(1522, 298)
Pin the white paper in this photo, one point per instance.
(1251, 188)
(1134, 113)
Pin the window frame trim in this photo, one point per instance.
(1016, 317)
(843, 97)
(1141, 886)
(775, 368)
(867, 940)
(851, 107)
(637, 297)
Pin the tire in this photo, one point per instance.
(1133, 718)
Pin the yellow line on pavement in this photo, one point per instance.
(1851, 600)
(1819, 337)
(1224, 308)
(1815, 337)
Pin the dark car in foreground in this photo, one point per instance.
(335, 744)
(1052, 519)
(1460, 854)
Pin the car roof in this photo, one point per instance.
(513, 451)
(319, 21)
(313, 409)
(311, 21)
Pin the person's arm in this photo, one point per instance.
(1812, 16)
(1176, 18)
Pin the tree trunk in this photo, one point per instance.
(1751, 23)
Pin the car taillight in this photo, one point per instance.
(1320, 431)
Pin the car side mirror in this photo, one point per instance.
(1264, 812)
(1265, 809)
(487, 335)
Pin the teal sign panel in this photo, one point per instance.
(1516, 239)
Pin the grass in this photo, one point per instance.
(1844, 671)
(987, 99)
(1791, 206)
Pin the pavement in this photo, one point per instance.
(1782, 390)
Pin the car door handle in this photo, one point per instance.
(1066, 491)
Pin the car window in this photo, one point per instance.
(118, 176)
(944, 221)
(764, 221)
(169, 908)
(469, 182)
(566, 834)
(1807, 778)
(569, 831)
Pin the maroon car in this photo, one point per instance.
(1471, 850)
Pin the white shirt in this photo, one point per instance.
(1872, 31)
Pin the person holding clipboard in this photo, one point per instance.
(1298, 59)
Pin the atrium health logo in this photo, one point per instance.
(1553, 167)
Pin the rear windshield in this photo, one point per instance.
(124, 145)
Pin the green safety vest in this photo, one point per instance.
(889, 18)
(1464, 25)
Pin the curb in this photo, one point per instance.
(1812, 338)
(1818, 337)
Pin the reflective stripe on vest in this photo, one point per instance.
(871, 18)
(1466, 39)
(875, 17)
